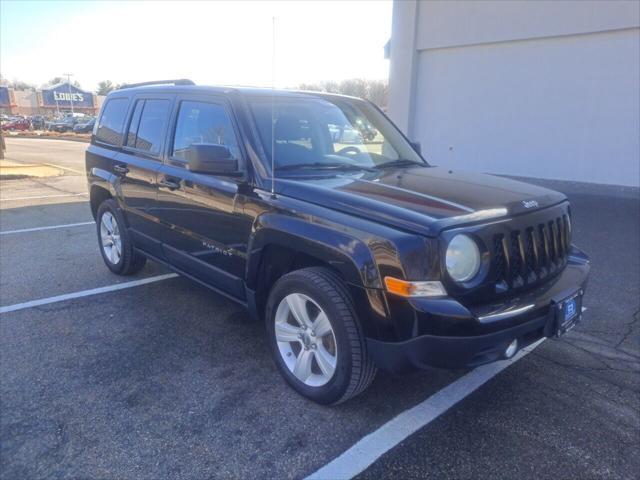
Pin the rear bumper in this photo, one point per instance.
(488, 335)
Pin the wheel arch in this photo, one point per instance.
(344, 253)
(101, 187)
(97, 195)
(282, 244)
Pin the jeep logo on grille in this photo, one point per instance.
(530, 203)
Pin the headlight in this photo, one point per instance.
(463, 258)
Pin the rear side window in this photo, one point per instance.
(200, 122)
(112, 121)
(148, 124)
(133, 125)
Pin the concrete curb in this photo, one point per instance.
(45, 137)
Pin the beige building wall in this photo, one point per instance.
(26, 102)
(546, 89)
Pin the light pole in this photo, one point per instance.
(69, 85)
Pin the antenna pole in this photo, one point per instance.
(273, 108)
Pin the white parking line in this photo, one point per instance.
(52, 227)
(85, 293)
(42, 196)
(361, 455)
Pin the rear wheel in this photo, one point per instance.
(115, 242)
(315, 337)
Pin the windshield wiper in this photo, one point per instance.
(322, 166)
(401, 162)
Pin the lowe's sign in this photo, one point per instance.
(64, 95)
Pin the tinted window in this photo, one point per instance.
(112, 121)
(153, 120)
(203, 123)
(135, 121)
(309, 132)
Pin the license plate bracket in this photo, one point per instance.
(568, 313)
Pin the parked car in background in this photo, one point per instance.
(37, 122)
(344, 134)
(21, 124)
(85, 126)
(64, 125)
(49, 121)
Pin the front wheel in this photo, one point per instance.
(315, 338)
(115, 241)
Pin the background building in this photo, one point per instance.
(58, 99)
(538, 89)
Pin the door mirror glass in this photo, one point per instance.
(211, 158)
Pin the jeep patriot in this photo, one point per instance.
(356, 252)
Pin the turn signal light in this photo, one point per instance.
(404, 288)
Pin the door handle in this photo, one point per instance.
(170, 184)
(121, 169)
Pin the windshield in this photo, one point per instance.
(319, 133)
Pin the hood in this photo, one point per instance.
(421, 199)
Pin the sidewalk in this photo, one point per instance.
(10, 169)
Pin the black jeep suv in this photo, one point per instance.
(357, 257)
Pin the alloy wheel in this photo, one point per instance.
(306, 341)
(110, 237)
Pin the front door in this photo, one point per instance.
(137, 167)
(205, 232)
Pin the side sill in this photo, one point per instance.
(191, 277)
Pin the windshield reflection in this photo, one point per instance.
(331, 133)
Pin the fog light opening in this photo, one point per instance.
(511, 349)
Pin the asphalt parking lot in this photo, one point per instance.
(166, 379)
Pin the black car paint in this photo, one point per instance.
(366, 226)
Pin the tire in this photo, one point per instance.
(318, 289)
(124, 260)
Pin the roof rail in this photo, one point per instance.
(181, 81)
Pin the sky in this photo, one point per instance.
(225, 43)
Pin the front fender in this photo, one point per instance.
(344, 252)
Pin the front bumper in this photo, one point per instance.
(483, 335)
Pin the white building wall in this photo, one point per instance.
(540, 89)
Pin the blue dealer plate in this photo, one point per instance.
(570, 309)
(569, 313)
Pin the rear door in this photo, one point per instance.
(138, 164)
(106, 142)
(205, 230)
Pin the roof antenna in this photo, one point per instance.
(273, 108)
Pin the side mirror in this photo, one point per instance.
(212, 159)
(416, 146)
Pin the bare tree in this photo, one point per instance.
(20, 85)
(356, 87)
(16, 84)
(105, 87)
(376, 91)
(58, 80)
(54, 81)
